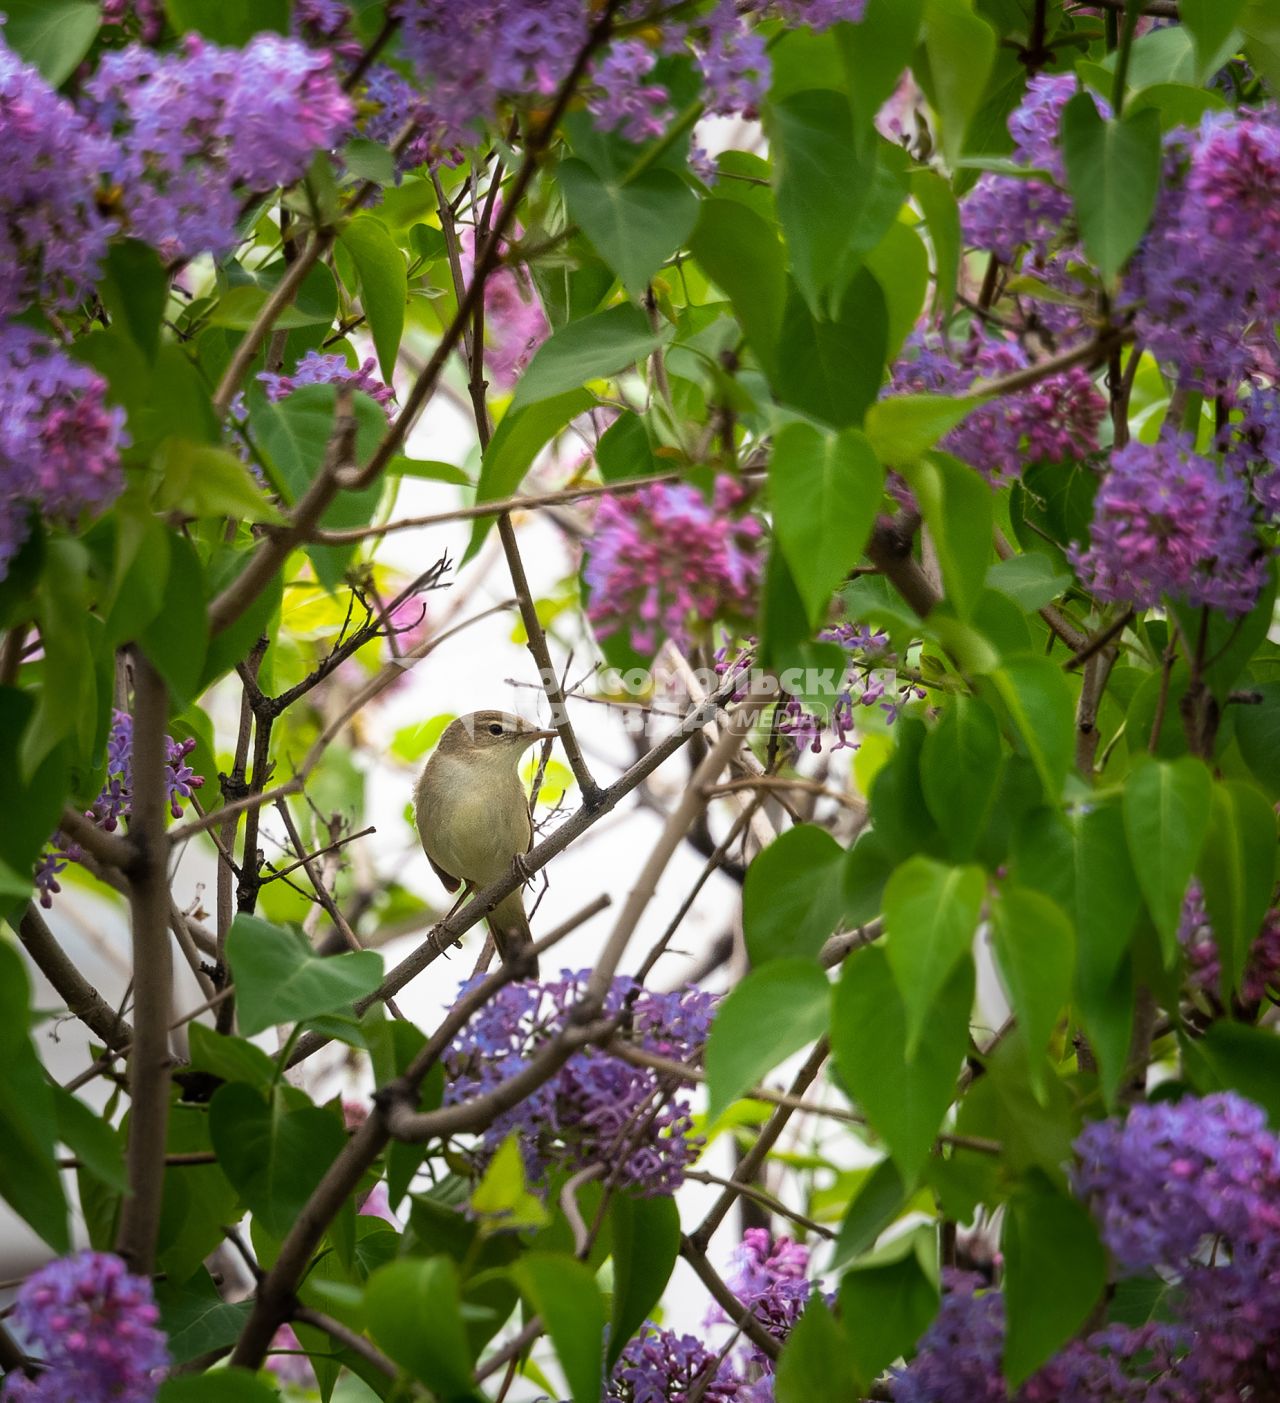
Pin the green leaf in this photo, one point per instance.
(770, 1014)
(1237, 1057)
(930, 914)
(229, 1385)
(957, 507)
(960, 48)
(1055, 1270)
(816, 1361)
(743, 255)
(832, 369)
(274, 1157)
(960, 770)
(1031, 580)
(54, 35)
(875, 52)
(793, 896)
(1167, 805)
(196, 1319)
(135, 291)
(887, 1305)
(822, 176)
(1113, 172)
(564, 1293)
(94, 1141)
(414, 1309)
(646, 1243)
(230, 1058)
(1237, 870)
(1035, 949)
(900, 264)
(1210, 23)
(29, 1179)
(877, 1203)
(904, 1102)
(594, 348)
(279, 980)
(502, 1193)
(316, 303)
(198, 1198)
(1040, 703)
(516, 442)
(902, 428)
(1258, 736)
(200, 480)
(384, 285)
(941, 212)
(825, 490)
(635, 226)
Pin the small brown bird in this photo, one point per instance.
(473, 814)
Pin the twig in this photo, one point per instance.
(348, 1339)
(80, 997)
(765, 1200)
(742, 1316)
(149, 900)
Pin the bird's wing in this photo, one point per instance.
(450, 883)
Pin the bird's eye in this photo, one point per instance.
(495, 728)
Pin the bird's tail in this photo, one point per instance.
(511, 933)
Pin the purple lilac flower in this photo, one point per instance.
(734, 63)
(769, 1276)
(195, 131)
(1251, 445)
(1172, 1175)
(144, 17)
(1167, 521)
(326, 24)
(1055, 420)
(958, 1359)
(60, 452)
(622, 100)
(598, 1109)
(317, 369)
(288, 1361)
(1196, 935)
(387, 103)
(663, 559)
(1200, 303)
(52, 234)
(1005, 213)
(94, 1324)
(115, 799)
(659, 1366)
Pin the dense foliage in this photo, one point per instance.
(902, 377)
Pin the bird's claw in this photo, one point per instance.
(523, 870)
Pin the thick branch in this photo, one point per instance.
(889, 550)
(152, 973)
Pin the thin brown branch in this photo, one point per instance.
(742, 1316)
(349, 1340)
(149, 1062)
(110, 849)
(80, 997)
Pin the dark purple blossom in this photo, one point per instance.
(52, 234)
(659, 1366)
(598, 1109)
(390, 101)
(326, 24)
(145, 18)
(317, 369)
(1196, 935)
(663, 560)
(197, 130)
(958, 1358)
(1202, 305)
(1167, 521)
(1054, 420)
(622, 100)
(60, 452)
(94, 1325)
(115, 799)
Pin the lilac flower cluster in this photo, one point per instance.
(474, 59)
(1168, 1181)
(94, 1324)
(326, 24)
(1202, 307)
(598, 1109)
(52, 235)
(194, 132)
(387, 102)
(659, 1366)
(60, 452)
(770, 1276)
(1167, 521)
(1055, 420)
(1200, 945)
(317, 369)
(115, 800)
(959, 1359)
(664, 559)
(143, 18)
(515, 324)
(1251, 446)
(1005, 213)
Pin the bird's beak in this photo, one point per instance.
(542, 735)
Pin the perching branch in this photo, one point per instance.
(149, 1062)
(80, 997)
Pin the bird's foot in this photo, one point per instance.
(523, 870)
